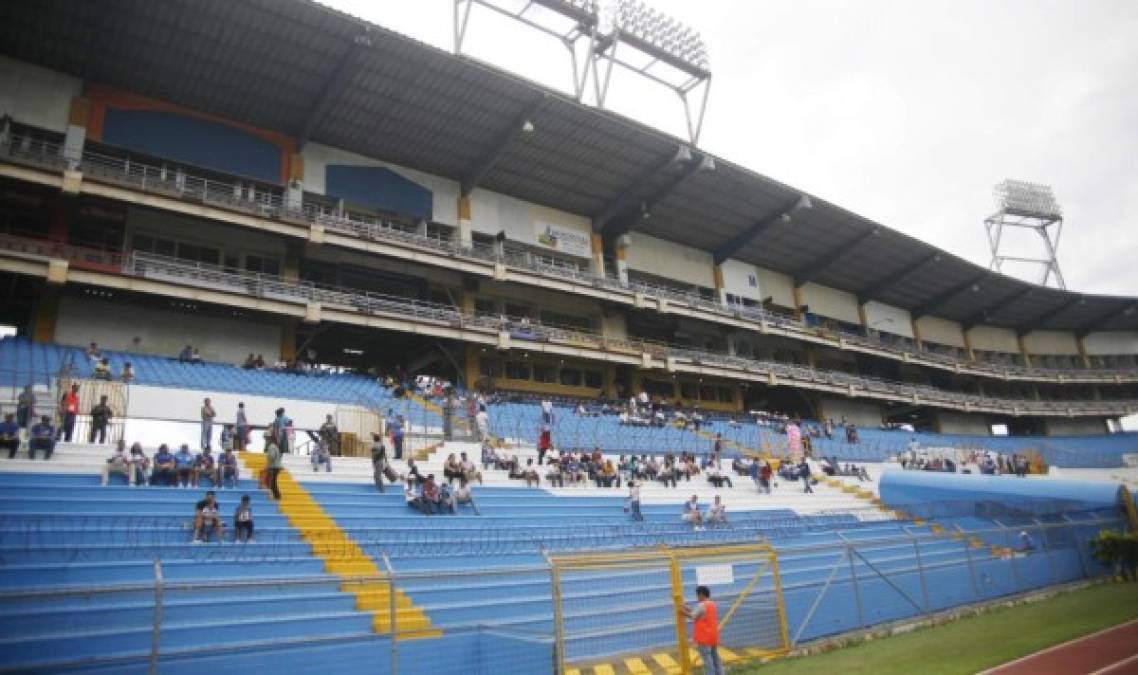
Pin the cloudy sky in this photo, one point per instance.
(906, 111)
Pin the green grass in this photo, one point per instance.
(976, 643)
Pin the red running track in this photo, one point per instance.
(1113, 651)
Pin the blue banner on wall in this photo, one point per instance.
(378, 187)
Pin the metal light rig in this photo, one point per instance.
(1028, 206)
(650, 44)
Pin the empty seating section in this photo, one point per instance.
(40, 363)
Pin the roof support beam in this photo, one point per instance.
(520, 124)
(333, 88)
(1101, 320)
(627, 197)
(981, 315)
(1041, 319)
(780, 214)
(935, 302)
(866, 294)
(621, 225)
(816, 267)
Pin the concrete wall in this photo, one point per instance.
(993, 339)
(777, 286)
(831, 303)
(1112, 342)
(1076, 426)
(941, 331)
(317, 157)
(888, 319)
(742, 280)
(35, 95)
(163, 332)
(168, 403)
(522, 221)
(962, 423)
(1050, 342)
(861, 413)
(670, 260)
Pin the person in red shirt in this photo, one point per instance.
(68, 409)
(705, 630)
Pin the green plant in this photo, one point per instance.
(1118, 550)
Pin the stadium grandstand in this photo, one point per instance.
(470, 348)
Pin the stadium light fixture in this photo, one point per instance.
(1027, 206)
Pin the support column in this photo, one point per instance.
(597, 264)
(76, 136)
(720, 286)
(917, 334)
(290, 267)
(799, 301)
(1023, 350)
(288, 340)
(968, 346)
(1081, 344)
(731, 348)
(811, 357)
(45, 315)
(622, 245)
(294, 192)
(59, 224)
(610, 381)
(465, 228)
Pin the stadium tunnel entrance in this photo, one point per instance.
(787, 400)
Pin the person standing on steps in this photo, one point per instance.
(705, 630)
(68, 409)
(379, 466)
(101, 416)
(240, 429)
(634, 501)
(273, 465)
(208, 413)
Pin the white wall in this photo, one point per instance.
(35, 95)
(491, 213)
(962, 423)
(317, 157)
(670, 260)
(1112, 342)
(993, 339)
(168, 403)
(830, 302)
(941, 331)
(163, 332)
(1076, 426)
(888, 319)
(738, 277)
(861, 413)
(1050, 342)
(777, 286)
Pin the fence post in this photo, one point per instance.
(856, 585)
(971, 567)
(681, 623)
(392, 607)
(156, 632)
(558, 619)
(1008, 549)
(920, 570)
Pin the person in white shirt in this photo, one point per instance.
(634, 501)
(718, 511)
(118, 462)
(692, 514)
(482, 421)
(464, 495)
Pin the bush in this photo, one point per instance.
(1119, 551)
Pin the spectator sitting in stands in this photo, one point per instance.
(321, 455)
(804, 473)
(9, 435)
(140, 465)
(670, 472)
(489, 457)
(716, 476)
(118, 462)
(452, 469)
(463, 494)
(470, 472)
(42, 437)
(205, 464)
(717, 513)
(165, 468)
(430, 495)
(577, 473)
(530, 474)
(554, 475)
(243, 521)
(260, 362)
(446, 500)
(651, 468)
(184, 466)
(413, 476)
(103, 370)
(1026, 543)
(250, 362)
(227, 437)
(207, 517)
(227, 467)
(186, 353)
(692, 514)
(92, 352)
(413, 497)
(607, 475)
(127, 375)
(195, 356)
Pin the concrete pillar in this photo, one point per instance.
(294, 191)
(731, 349)
(290, 267)
(465, 228)
(1081, 344)
(597, 263)
(288, 340)
(76, 135)
(799, 301)
(45, 315)
(1023, 350)
(917, 335)
(610, 381)
(622, 245)
(811, 357)
(59, 223)
(968, 347)
(720, 286)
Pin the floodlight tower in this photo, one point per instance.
(1028, 206)
(664, 51)
(569, 21)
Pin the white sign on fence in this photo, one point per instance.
(708, 575)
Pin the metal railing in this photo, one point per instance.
(271, 202)
(886, 577)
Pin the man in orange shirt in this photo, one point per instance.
(68, 409)
(705, 630)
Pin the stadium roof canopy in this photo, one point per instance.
(304, 69)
